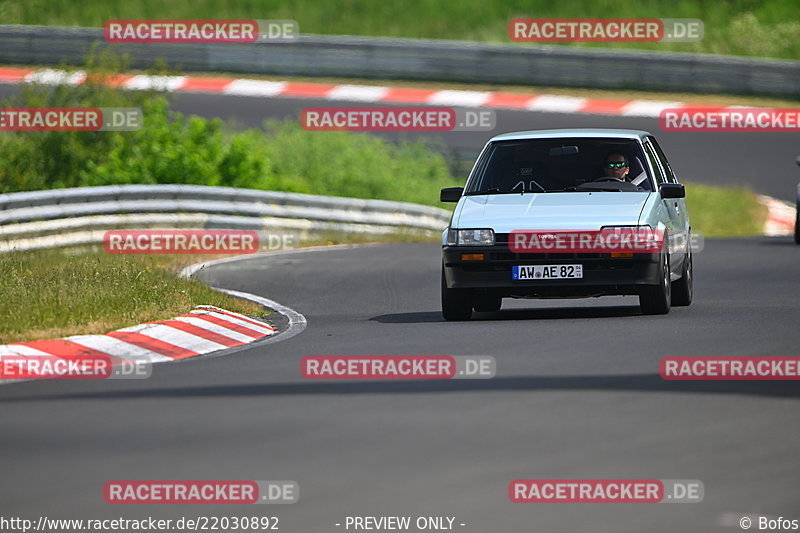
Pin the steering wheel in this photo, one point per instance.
(608, 178)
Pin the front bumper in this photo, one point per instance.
(602, 274)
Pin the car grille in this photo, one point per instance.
(504, 254)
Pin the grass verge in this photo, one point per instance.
(724, 211)
(48, 294)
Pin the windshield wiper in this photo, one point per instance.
(599, 189)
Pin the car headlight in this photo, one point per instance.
(643, 229)
(643, 238)
(470, 237)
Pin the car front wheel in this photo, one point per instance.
(456, 303)
(682, 289)
(655, 299)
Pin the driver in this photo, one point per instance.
(617, 166)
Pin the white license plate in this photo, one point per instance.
(538, 272)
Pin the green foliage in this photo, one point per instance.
(356, 165)
(181, 150)
(45, 160)
(173, 148)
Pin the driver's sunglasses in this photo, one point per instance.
(616, 164)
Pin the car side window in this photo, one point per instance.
(663, 160)
(479, 172)
(654, 162)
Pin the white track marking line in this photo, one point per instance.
(255, 88)
(297, 322)
(358, 93)
(648, 108)
(161, 83)
(559, 104)
(459, 98)
(50, 76)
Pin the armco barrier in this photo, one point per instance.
(61, 217)
(439, 60)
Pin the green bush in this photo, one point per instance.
(173, 148)
(356, 165)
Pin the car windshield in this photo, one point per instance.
(560, 165)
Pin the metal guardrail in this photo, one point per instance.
(60, 217)
(440, 60)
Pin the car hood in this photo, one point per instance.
(550, 211)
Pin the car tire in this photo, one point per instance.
(487, 304)
(682, 289)
(655, 299)
(456, 303)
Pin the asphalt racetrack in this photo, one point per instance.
(577, 393)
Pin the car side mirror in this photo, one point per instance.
(672, 190)
(451, 194)
(798, 160)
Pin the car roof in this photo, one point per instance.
(572, 133)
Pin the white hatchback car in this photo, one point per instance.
(560, 181)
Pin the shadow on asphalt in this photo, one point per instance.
(613, 383)
(548, 313)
